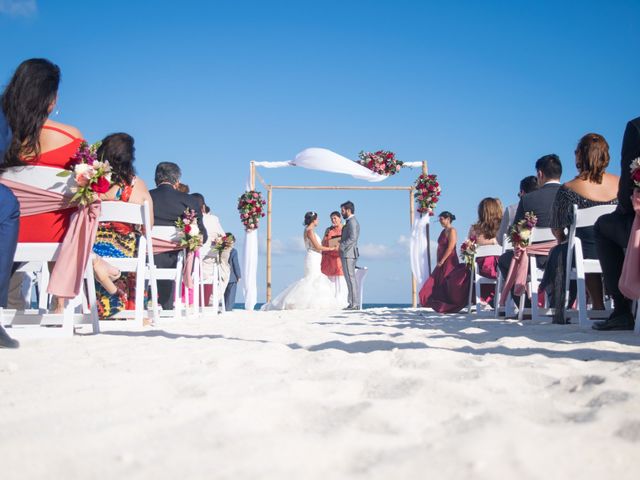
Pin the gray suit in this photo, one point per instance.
(349, 254)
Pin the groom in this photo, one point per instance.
(349, 251)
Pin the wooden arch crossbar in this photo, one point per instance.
(252, 180)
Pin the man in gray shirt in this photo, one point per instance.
(349, 252)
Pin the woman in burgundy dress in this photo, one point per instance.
(440, 292)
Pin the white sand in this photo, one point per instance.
(386, 394)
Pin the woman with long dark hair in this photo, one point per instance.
(27, 102)
(116, 292)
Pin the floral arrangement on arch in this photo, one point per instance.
(189, 232)
(92, 176)
(427, 193)
(468, 251)
(381, 162)
(520, 232)
(251, 209)
(635, 172)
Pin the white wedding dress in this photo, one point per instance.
(313, 291)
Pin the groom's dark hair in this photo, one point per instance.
(349, 206)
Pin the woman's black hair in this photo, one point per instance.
(448, 215)
(309, 217)
(26, 102)
(335, 214)
(118, 149)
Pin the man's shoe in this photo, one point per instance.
(6, 341)
(620, 321)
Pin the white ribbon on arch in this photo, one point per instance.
(323, 160)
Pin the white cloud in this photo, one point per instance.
(282, 247)
(18, 8)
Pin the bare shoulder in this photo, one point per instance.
(71, 130)
(141, 185)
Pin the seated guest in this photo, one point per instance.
(540, 201)
(612, 234)
(115, 291)
(9, 222)
(168, 205)
(208, 255)
(527, 184)
(484, 231)
(235, 274)
(27, 102)
(439, 292)
(592, 186)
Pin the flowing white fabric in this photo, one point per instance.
(250, 269)
(419, 248)
(327, 161)
(313, 291)
(272, 164)
(412, 164)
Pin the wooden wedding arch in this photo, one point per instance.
(254, 175)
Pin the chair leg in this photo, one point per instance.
(583, 318)
(93, 300)
(521, 307)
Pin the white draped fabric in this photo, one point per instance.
(250, 270)
(418, 250)
(325, 160)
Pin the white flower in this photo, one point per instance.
(194, 230)
(525, 234)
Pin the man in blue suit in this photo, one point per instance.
(9, 222)
(234, 277)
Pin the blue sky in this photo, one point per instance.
(479, 89)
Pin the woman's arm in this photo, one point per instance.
(314, 242)
(453, 238)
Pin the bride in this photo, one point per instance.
(314, 290)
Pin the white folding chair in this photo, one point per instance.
(217, 302)
(478, 280)
(509, 308)
(32, 323)
(582, 218)
(538, 235)
(361, 275)
(173, 274)
(134, 214)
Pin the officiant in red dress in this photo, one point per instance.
(331, 264)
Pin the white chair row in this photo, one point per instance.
(77, 311)
(577, 267)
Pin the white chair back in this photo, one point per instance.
(539, 235)
(584, 217)
(488, 251)
(124, 212)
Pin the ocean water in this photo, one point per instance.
(240, 306)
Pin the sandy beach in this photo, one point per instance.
(381, 393)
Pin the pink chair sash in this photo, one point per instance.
(629, 283)
(162, 246)
(517, 275)
(68, 272)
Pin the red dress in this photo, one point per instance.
(447, 289)
(331, 265)
(50, 227)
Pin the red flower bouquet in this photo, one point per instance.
(92, 176)
(635, 172)
(251, 209)
(190, 236)
(427, 193)
(520, 232)
(381, 162)
(468, 251)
